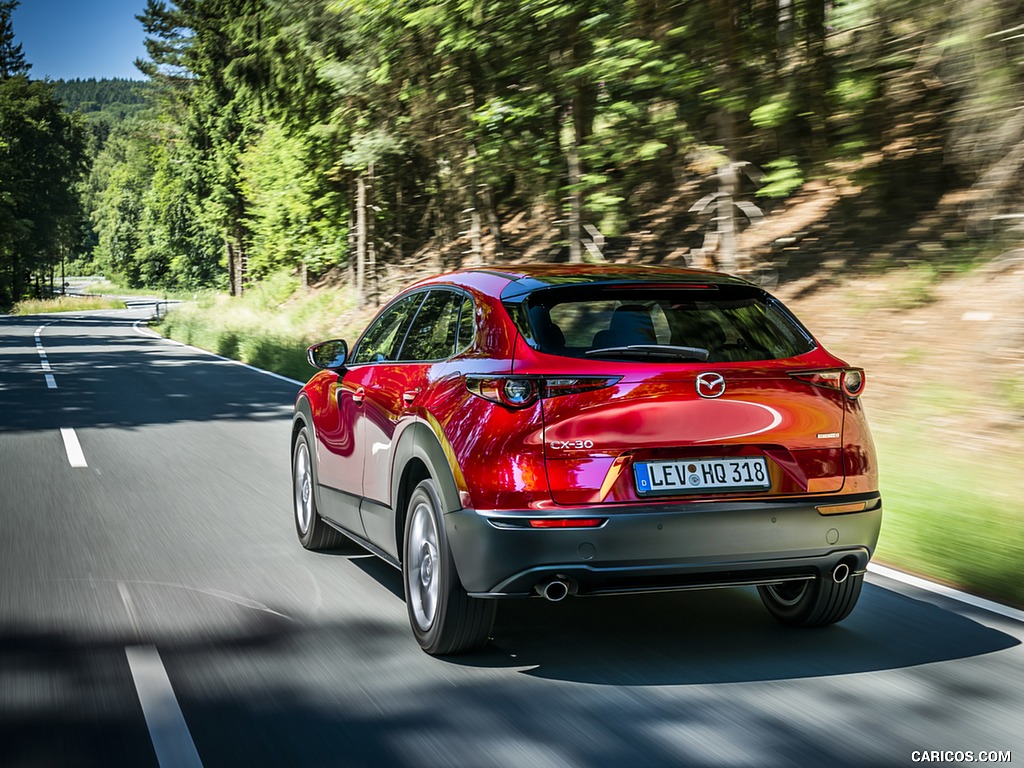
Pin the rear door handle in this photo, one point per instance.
(410, 395)
(358, 396)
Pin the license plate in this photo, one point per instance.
(693, 475)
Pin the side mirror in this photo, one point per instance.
(328, 355)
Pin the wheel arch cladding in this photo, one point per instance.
(418, 456)
(302, 418)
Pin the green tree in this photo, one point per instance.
(42, 158)
(12, 58)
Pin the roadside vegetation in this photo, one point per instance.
(65, 304)
(110, 288)
(270, 326)
(950, 514)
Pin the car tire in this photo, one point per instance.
(444, 619)
(813, 603)
(313, 532)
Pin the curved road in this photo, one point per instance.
(156, 609)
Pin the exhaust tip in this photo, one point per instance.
(840, 573)
(555, 591)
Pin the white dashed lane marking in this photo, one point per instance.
(73, 448)
(168, 731)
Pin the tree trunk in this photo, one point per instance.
(233, 281)
(493, 222)
(581, 115)
(817, 83)
(371, 239)
(351, 243)
(784, 34)
(476, 248)
(361, 240)
(725, 24)
(16, 279)
(725, 212)
(242, 269)
(575, 203)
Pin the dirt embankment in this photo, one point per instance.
(947, 348)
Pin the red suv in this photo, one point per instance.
(556, 431)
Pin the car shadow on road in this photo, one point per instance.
(722, 636)
(706, 637)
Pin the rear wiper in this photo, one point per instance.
(652, 350)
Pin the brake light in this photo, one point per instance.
(522, 391)
(849, 380)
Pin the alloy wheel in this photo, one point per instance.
(422, 574)
(303, 485)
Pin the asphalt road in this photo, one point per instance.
(155, 602)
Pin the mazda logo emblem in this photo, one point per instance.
(711, 385)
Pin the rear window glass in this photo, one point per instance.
(730, 323)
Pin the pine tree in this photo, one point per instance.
(12, 58)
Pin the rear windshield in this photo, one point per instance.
(726, 323)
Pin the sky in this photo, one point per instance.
(68, 39)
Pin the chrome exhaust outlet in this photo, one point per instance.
(840, 573)
(555, 591)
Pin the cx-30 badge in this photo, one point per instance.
(711, 385)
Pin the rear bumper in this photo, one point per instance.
(645, 548)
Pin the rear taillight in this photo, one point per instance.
(514, 393)
(521, 391)
(849, 380)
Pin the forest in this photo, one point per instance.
(341, 137)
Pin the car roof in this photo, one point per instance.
(524, 279)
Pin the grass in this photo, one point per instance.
(952, 515)
(269, 327)
(65, 304)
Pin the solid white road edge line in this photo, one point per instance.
(150, 334)
(954, 594)
(72, 447)
(171, 739)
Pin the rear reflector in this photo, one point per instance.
(842, 509)
(547, 523)
(567, 522)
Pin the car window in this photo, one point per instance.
(733, 323)
(384, 337)
(433, 331)
(467, 325)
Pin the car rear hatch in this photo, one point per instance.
(681, 392)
